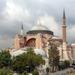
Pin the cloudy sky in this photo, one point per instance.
(15, 12)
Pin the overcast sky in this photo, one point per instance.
(15, 12)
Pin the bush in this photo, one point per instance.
(67, 64)
(25, 73)
(5, 71)
(35, 73)
(64, 64)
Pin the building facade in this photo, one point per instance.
(39, 36)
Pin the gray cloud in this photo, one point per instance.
(15, 12)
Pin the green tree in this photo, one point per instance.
(5, 59)
(6, 71)
(53, 57)
(27, 61)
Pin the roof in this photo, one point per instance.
(15, 52)
(56, 37)
(39, 29)
(40, 52)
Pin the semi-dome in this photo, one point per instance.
(40, 29)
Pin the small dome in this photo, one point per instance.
(39, 27)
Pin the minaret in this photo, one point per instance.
(64, 45)
(64, 27)
(21, 30)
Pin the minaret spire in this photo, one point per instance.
(64, 17)
(64, 26)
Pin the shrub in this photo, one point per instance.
(64, 64)
(35, 73)
(6, 71)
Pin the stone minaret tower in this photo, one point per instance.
(64, 27)
(64, 45)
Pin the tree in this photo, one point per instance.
(27, 61)
(5, 59)
(64, 64)
(6, 71)
(53, 57)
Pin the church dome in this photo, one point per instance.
(39, 27)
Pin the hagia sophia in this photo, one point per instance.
(38, 38)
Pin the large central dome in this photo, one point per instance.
(40, 29)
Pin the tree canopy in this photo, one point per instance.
(6, 71)
(27, 61)
(5, 59)
(53, 56)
